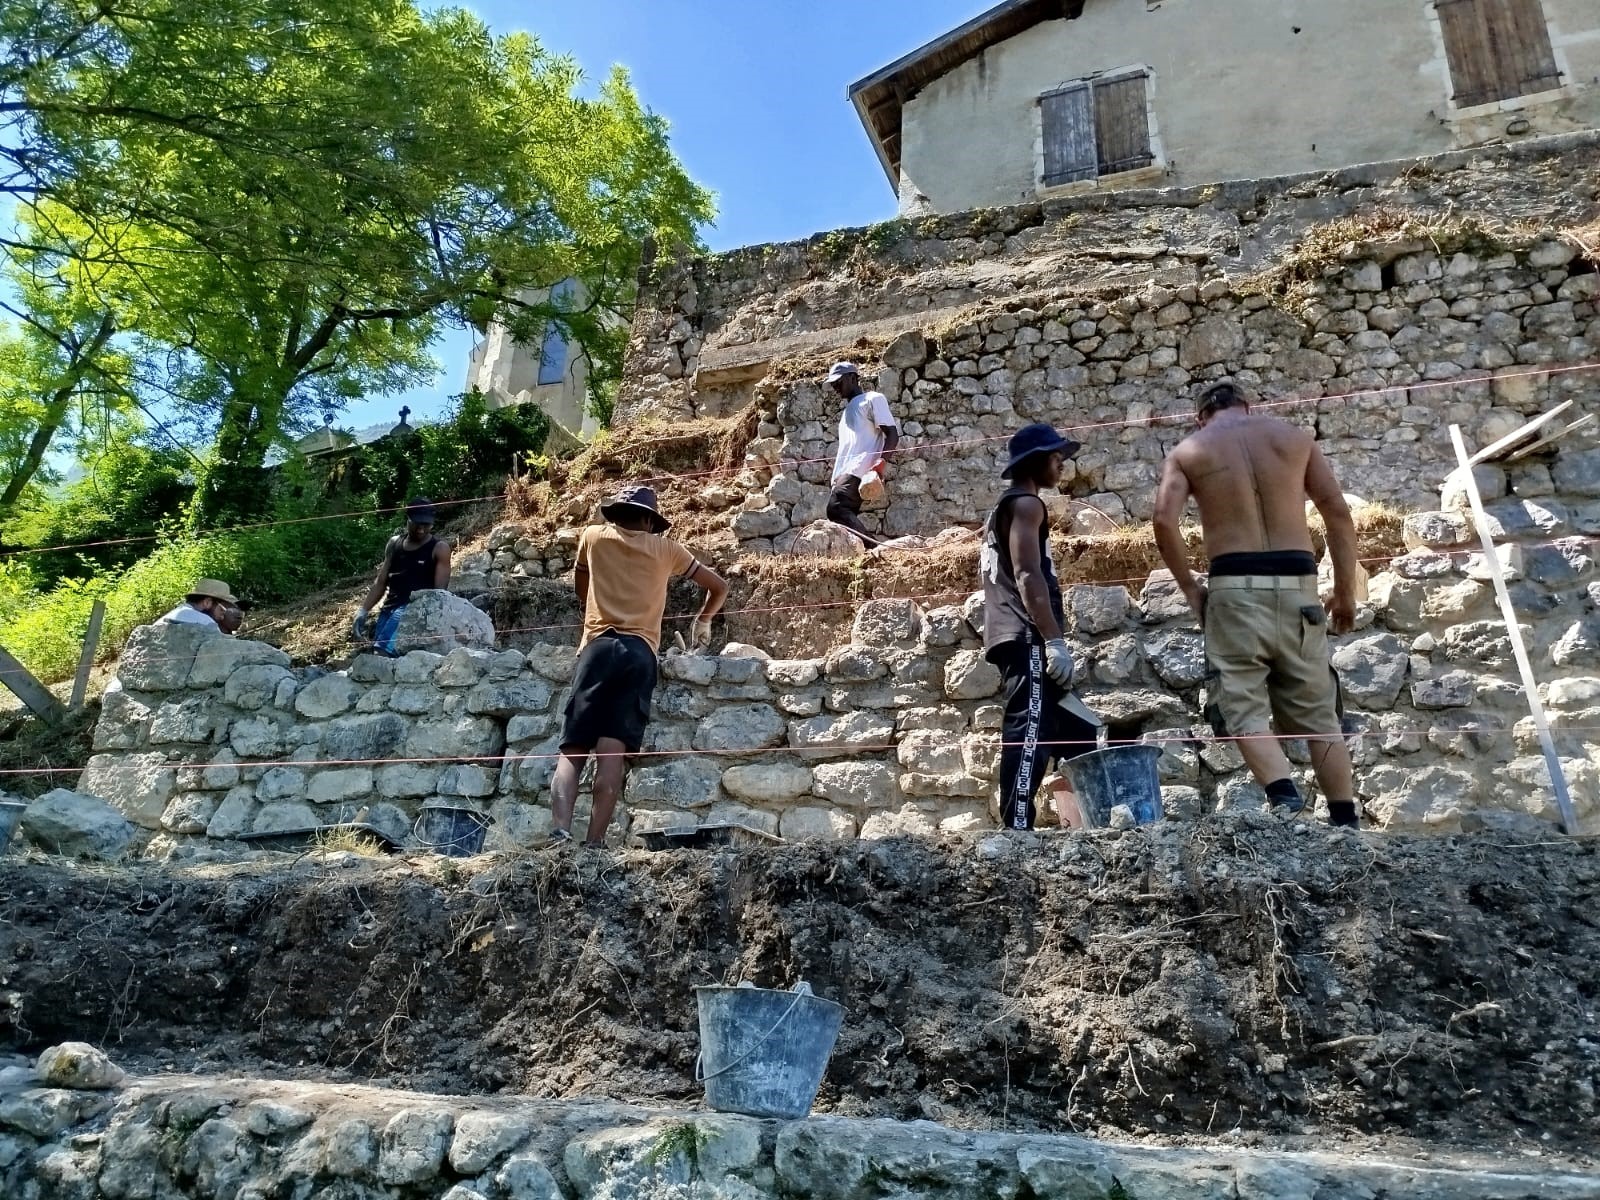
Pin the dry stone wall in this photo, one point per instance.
(204, 738)
(73, 1126)
(1108, 314)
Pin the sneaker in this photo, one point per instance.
(557, 839)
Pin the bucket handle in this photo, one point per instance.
(801, 990)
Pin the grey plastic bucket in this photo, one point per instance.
(453, 830)
(763, 1052)
(10, 817)
(1120, 775)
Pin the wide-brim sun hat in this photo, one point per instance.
(213, 589)
(636, 500)
(1038, 438)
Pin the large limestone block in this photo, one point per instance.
(508, 698)
(413, 1146)
(124, 719)
(644, 1161)
(932, 751)
(742, 728)
(887, 624)
(328, 697)
(454, 737)
(195, 720)
(821, 539)
(1092, 609)
(371, 736)
(217, 659)
(159, 658)
(482, 1137)
(252, 688)
(1211, 340)
(681, 783)
(868, 785)
(1178, 657)
(1372, 670)
(339, 785)
(970, 676)
(71, 823)
(137, 785)
(767, 782)
(828, 736)
(1430, 799)
(815, 824)
(439, 622)
(908, 821)
(1160, 600)
(855, 664)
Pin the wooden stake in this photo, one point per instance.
(29, 690)
(1530, 685)
(91, 643)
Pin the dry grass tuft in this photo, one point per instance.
(350, 841)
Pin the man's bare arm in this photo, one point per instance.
(379, 585)
(1326, 494)
(580, 584)
(1027, 518)
(891, 438)
(1172, 493)
(441, 565)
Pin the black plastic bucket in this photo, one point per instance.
(453, 830)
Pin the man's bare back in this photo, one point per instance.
(1249, 477)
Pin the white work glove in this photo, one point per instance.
(700, 633)
(1058, 661)
(359, 626)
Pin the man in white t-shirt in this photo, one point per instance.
(867, 432)
(209, 603)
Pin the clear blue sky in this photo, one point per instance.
(755, 93)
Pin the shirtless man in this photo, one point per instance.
(1266, 632)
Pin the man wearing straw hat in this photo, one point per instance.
(1266, 629)
(622, 573)
(210, 603)
(1023, 620)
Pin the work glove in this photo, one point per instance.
(359, 627)
(1058, 661)
(700, 633)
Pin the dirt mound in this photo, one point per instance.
(1184, 980)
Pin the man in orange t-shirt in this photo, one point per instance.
(622, 572)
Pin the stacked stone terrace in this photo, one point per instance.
(1444, 286)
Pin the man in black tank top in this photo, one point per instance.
(413, 561)
(1022, 625)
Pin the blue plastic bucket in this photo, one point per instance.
(763, 1052)
(452, 830)
(1120, 775)
(10, 817)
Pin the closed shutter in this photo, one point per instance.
(1122, 124)
(1069, 135)
(1497, 49)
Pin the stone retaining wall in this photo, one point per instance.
(1111, 312)
(203, 737)
(62, 1138)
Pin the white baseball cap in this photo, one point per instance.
(840, 370)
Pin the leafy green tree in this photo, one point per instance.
(293, 196)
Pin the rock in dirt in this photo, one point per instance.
(78, 1065)
(439, 622)
(80, 826)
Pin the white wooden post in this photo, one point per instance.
(1530, 685)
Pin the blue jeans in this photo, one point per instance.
(386, 627)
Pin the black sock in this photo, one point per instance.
(1282, 793)
(1343, 813)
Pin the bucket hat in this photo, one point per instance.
(635, 499)
(1037, 438)
(213, 589)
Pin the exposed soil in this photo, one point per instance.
(1179, 982)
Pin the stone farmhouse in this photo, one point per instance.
(1042, 97)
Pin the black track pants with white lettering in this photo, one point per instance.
(1034, 729)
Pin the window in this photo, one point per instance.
(1096, 127)
(553, 354)
(1497, 49)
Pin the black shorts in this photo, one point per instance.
(612, 684)
(1034, 730)
(846, 496)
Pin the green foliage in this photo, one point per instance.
(129, 491)
(468, 453)
(300, 193)
(264, 565)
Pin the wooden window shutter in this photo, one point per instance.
(1122, 124)
(1497, 49)
(1069, 135)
